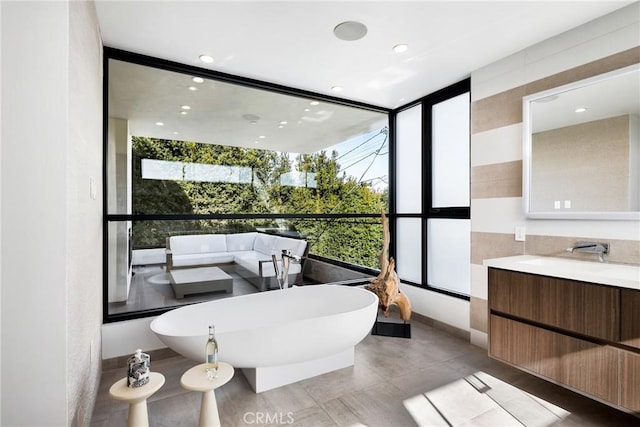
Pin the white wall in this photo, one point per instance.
(437, 306)
(123, 338)
(34, 221)
(51, 231)
(0, 211)
(84, 212)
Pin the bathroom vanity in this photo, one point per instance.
(575, 323)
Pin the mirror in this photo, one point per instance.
(581, 155)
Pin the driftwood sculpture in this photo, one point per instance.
(387, 285)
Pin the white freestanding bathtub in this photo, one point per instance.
(277, 337)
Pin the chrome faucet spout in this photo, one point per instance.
(601, 249)
(282, 274)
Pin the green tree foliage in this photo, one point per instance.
(350, 240)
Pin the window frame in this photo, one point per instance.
(428, 210)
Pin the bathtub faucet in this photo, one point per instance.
(282, 275)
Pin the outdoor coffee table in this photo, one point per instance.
(198, 280)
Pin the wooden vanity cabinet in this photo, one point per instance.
(573, 333)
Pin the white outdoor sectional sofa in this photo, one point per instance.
(250, 252)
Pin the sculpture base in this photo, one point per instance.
(389, 327)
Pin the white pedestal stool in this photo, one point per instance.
(195, 379)
(137, 398)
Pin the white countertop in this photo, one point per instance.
(620, 275)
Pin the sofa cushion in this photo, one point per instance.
(198, 244)
(264, 243)
(200, 259)
(250, 261)
(269, 244)
(148, 256)
(296, 246)
(240, 241)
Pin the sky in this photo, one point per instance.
(365, 157)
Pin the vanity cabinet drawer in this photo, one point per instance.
(630, 380)
(574, 306)
(580, 364)
(536, 349)
(630, 318)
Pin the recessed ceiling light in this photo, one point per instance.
(314, 103)
(262, 137)
(350, 30)
(336, 88)
(197, 80)
(399, 48)
(284, 122)
(257, 142)
(175, 133)
(184, 113)
(581, 110)
(280, 126)
(207, 59)
(159, 124)
(193, 88)
(185, 107)
(307, 109)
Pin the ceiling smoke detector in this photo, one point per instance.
(350, 30)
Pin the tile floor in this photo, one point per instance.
(432, 379)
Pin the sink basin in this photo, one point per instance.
(540, 261)
(623, 272)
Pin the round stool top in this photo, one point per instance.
(195, 379)
(120, 391)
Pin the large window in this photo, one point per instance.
(431, 197)
(189, 151)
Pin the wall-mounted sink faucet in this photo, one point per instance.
(599, 248)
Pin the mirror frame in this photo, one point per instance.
(527, 147)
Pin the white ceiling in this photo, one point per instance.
(292, 43)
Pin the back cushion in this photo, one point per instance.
(198, 244)
(241, 241)
(296, 246)
(264, 243)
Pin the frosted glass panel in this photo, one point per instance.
(450, 152)
(409, 160)
(449, 254)
(409, 249)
